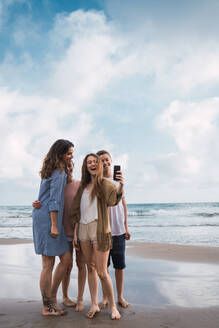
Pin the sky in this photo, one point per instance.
(137, 78)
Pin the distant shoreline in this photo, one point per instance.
(146, 203)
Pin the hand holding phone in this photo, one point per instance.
(116, 169)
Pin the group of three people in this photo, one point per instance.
(79, 210)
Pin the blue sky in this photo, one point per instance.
(138, 78)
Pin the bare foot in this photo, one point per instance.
(58, 309)
(123, 303)
(92, 312)
(103, 305)
(49, 310)
(79, 306)
(115, 313)
(68, 302)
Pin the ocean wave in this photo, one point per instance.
(154, 213)
(141, 213)
(207, 215)
(15, 217)
(15, 226)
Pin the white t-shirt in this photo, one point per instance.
(88, 208)
(117, 216)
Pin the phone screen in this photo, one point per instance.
(115, 170)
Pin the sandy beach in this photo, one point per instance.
(195, 254)
(167, 285)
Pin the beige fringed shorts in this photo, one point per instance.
(88, 232)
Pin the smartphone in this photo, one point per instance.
(116, 168)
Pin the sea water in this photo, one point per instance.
(175, 223)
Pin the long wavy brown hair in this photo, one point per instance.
(86, 177)
(54, 158)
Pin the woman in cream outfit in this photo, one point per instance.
(90, 215)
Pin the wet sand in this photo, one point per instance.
(195, 254)
(168, 286)
(26, 314)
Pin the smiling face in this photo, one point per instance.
(92, 170)
(70, 167)
(107, 162)
(67, 157)
(92, 165)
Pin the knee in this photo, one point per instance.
(103, 275)
(91, 268)
(47, 267)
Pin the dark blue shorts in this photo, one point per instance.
(117, 253)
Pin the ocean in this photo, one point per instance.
(175, 223)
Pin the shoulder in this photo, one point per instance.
(74, 185)
(58, 176)
(77, 183)
(57, 173)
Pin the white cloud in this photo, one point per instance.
(87, 65)
(121, 160)
(29, 124)
(172, 67)
(194, 129)
(86, 56)
(60, 106)
(186, 69)
(190, 172)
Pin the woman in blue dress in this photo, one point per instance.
(48, 231)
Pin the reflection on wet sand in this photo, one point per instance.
(160, 283)
(155, 283)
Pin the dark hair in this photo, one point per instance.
(86, 177)
(54, 158)
(103, 152)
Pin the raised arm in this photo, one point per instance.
(119, 177)
(113, 195)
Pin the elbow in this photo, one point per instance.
(53, 206)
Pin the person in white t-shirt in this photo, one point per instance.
(120, 233)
